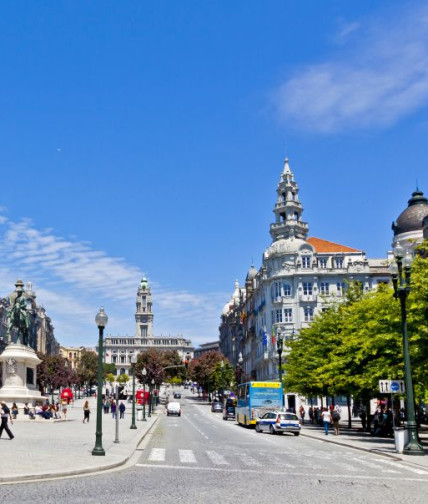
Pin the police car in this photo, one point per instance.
(277, 422)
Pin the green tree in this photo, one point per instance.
(202, 369)
(152, 360)
(223, 376)
(53, 372)
(87, 368)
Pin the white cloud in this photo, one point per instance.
(380, 79)
(72, 280)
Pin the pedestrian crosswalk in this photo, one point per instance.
(253, 461)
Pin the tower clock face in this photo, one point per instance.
(144, 319)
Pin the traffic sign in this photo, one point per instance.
(391, 386)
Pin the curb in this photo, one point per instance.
(347, 445)
(76, 472)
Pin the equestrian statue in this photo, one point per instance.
(18, 317)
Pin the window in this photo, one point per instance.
(306, 261)
(277, 289)
(288, 315)
(278, 315)
(324, 288)
(339, 262)
(322, 263)
(286, 289)
(307, 288)
(341, 287)
(309, 313)
(122, 359)
(144, 331)
(114, 359)
(70, 355)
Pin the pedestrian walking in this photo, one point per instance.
(122, 408)
(86, 412)
(5, 417)
(311, 415)
(113, 408)
(302, 414)
(336, 418)
(326, 418)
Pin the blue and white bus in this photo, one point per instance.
(255, 399)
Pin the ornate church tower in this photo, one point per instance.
(288, 209)
(144, 315)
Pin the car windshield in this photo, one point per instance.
(174, 405)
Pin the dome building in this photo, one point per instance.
(409, 226)
(299, 277)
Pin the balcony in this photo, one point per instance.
(308, 298)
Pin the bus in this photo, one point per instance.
(255, 398)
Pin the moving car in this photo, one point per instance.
(173, 408)
(216, 407)
(277, 422)
(177, 395)
(229, 409)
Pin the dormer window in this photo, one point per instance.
(306, 261)
(322, 262)
(339, 262)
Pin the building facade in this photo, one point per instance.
(207, 347)
(72, 355)
(300, 276)
(120, 349)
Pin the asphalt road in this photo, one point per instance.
(199, 458)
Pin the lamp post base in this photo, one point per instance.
(98, 450)
(133, 426)
(413, 447)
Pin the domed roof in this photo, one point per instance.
(226, 309)
(287, 246)
(252, 272)
(411, 218)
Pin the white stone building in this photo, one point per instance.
(299, 277)
(119, 349)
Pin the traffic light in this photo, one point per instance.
(186, 364)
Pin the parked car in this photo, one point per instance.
(277, 422)
(216, 407)
(173, 408)
(177, 395)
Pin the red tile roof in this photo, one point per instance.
(322, 246)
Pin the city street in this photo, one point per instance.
(198, 457)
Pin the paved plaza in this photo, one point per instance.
(48, 448)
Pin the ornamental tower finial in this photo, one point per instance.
(288, 209)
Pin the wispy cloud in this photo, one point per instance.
(72, 279)
(376, 81)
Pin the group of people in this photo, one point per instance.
(110, 406)
(325, 417)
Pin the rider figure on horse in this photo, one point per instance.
(18, 317)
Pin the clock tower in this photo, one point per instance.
(144, 314)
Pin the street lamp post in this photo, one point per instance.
(153, 388)
(401, 282)
(144, 373)
(279, 348)
(239, 368)
(101, 320)
(222, 380)
(133, 362)
(150, 400)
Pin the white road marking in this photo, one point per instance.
(187, 456)
(157, 454)
(402, 466)
(370, 465)
(249, 461)
(216, 458)
(335, 477)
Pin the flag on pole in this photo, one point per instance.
(273, 335)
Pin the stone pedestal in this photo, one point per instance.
(19, 375)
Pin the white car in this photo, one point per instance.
(277, 422)
(173, 408)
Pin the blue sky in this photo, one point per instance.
(141, 137)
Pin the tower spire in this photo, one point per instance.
(288, 209)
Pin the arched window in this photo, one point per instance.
(70, 355)
(287, 289)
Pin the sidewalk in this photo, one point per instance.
(357, 439)
(46, 449)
